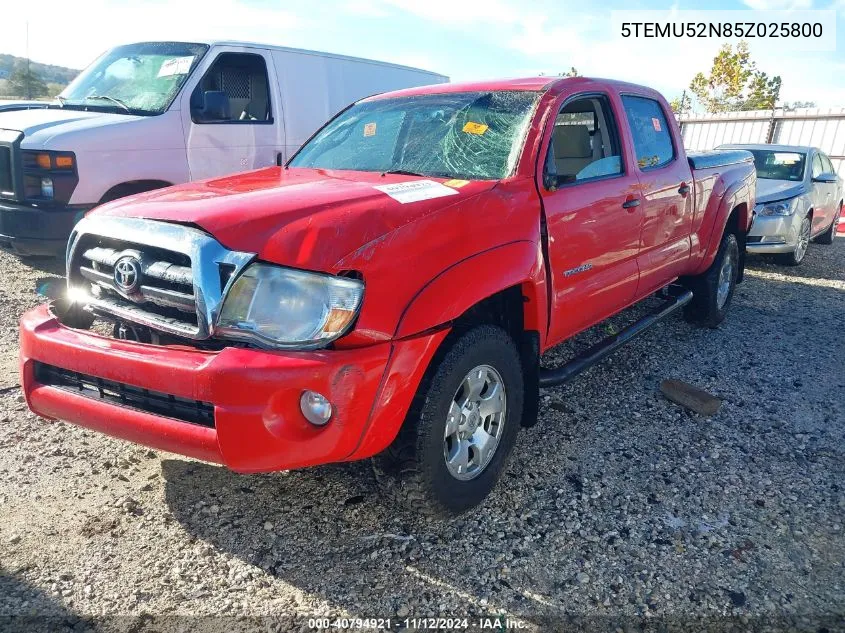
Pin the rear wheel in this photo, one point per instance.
(828, 236)
(797, 256)
(712, 291)
(456, 439)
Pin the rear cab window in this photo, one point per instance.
(652, 139)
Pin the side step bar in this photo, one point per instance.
(678, 298)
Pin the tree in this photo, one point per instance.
(681, 105)
(734, 83)
(572, 72)
(795, 105)
(23, 82)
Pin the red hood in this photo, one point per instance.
(299, 217)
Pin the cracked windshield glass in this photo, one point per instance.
(134, 79)
(473, 135)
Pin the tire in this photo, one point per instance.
(414, 468)
(709, 306)
(828, 236)
(797, 256)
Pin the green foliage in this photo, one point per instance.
(47, 72)
(24, 82)
(682, 104)
(734, 83)
(572, 72)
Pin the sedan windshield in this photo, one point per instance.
(475, 135)
(134, 79)
(774, 165)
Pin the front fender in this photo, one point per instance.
(466, 283)
(738, 195)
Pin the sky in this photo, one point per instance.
(464, 39)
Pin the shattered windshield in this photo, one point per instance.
(473, 135)
(134, 79)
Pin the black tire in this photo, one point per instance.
(828, 236)
(705, 307)
(413, 469)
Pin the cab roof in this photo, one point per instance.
(537, 84)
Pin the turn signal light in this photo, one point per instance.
(64, 162)
(43, 161)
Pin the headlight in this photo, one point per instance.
(280, 307)
(782, 207)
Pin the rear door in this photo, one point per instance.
(250, 135)
(821, 194)
(593, 214)
(666, 181)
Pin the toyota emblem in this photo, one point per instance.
(127, 274)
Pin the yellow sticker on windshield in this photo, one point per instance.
(457, 184)
(370, 129)
(475, 128)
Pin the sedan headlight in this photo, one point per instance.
(278, 307)
(781, 207)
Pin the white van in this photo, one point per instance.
(153, 114)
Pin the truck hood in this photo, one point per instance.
(772, 190)
(41, 126)
(309, 218)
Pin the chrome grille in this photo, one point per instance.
(165, 276)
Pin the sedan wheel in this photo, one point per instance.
(803, 241)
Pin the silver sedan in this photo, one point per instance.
(799, 198)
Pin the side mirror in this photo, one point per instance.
(214, 108)
(828, 177)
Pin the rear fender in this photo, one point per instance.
(738, 196)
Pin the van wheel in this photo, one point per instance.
(712, 291)
(461, 428)
(828, 236)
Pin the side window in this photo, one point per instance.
(827, 164)
(584, 145)
(234, 90)
(652, 139)
(817, 165)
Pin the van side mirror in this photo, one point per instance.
(214, 107)
(828, 177)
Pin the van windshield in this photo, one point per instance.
(134, 79)
(474, 135)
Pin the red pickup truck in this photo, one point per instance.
(390, 291)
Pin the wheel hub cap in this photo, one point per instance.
(475, 423)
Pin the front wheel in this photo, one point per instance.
(797, 256)
(456, 439)
(713, 290)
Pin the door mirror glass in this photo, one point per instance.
(214, 107)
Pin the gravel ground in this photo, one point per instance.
(617, 507)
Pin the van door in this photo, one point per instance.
(593, 215)
(666, 180)
(231, 114)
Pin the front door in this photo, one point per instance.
(593, 215)
(232, 115)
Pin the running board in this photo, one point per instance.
(678, 298)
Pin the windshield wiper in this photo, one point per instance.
(402, 172)
(112, 99)
(62, 100)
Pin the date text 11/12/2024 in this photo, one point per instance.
(486, 623)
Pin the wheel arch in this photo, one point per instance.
(131, 187)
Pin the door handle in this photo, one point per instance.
(631, 203)
(684, 189)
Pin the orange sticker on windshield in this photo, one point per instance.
(475, 128)
(457, 184)
(370, 129)
(656, 124)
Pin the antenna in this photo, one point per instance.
(28, 71)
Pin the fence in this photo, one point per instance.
(822, 128)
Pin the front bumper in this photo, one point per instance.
(771, 234)
(27, 230)
(258, 425)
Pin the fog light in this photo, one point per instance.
(774, 239)
(46, 187)
(315, 407)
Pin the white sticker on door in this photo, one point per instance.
(416, 190)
